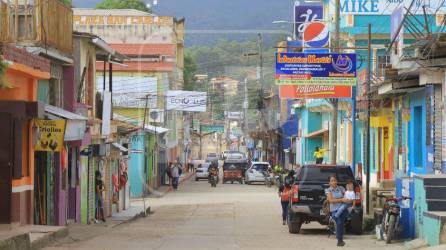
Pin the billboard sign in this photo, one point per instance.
(234, 115)
(50, 136)
(385, 7)
(314, 91)
(304, 14)
(316, 69)
(212, 128)
(191, 101)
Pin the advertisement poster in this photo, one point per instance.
(50, 135)
(304, 14)
(186, 101)
(315, 69)
(314, 91)
(212, 128)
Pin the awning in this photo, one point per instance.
(76, 124)
(120, 147)
(317, 133)
(319, 105)
(148, 128)
(155, 130)
(64, 113)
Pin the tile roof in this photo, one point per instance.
(140, 66)
(145, 49)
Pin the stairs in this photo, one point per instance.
(430, 208)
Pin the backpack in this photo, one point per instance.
(180, 171)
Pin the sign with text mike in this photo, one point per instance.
(190, 101)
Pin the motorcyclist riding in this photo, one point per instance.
(213, 171)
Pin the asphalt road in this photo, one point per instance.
(231, 216)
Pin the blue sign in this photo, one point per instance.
(304, 14)
(316, 69)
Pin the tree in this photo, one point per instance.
(3, 67)
(190, 69)
(67, 2)
(124, 4)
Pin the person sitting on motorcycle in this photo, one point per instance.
(213, 171)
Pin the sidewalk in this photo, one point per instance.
(36, 236)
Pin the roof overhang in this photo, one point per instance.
(317, 133)
(62, 113)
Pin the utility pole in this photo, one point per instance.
(367, 146)
(245, 106)
(144, 185)
(334, 102)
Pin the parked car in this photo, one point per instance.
(196, 163)
(308, 195)
(212, 157)
(202, 171)
(256, 172)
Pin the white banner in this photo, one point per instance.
(106, 113)
(186, 101)
(386, 7)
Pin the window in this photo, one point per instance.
(381, 63)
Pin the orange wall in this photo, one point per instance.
(24, 87)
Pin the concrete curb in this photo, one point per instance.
(48, 238)
(135, 217)
(18, 242)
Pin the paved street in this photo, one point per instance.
(231, 216)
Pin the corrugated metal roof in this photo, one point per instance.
(148, 128)
(63, 113)
(112, 12)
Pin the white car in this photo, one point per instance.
(202, 171)
(255, 173)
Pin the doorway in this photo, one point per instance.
(6, 161)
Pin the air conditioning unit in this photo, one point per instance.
(156, 116)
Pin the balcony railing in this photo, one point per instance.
(42, 23)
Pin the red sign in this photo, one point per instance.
(314, 91)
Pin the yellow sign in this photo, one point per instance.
(50, 135)
(122, 20)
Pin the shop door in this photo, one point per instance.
(5, 167)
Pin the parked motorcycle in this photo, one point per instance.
(391, 217)
(268, 178)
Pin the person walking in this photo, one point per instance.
(319, 155)
(99, 187)
(176, 173)
(335, 196)
(284, 194)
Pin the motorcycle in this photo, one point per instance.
(268, 179)
(391, 217)
(278, 180)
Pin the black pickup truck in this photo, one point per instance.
(308, 195)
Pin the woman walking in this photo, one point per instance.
(335, 196)
(284, 194)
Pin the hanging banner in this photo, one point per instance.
(314, 92)
(50, 135)
(212, 128)
(186, 101)
(315, 69)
